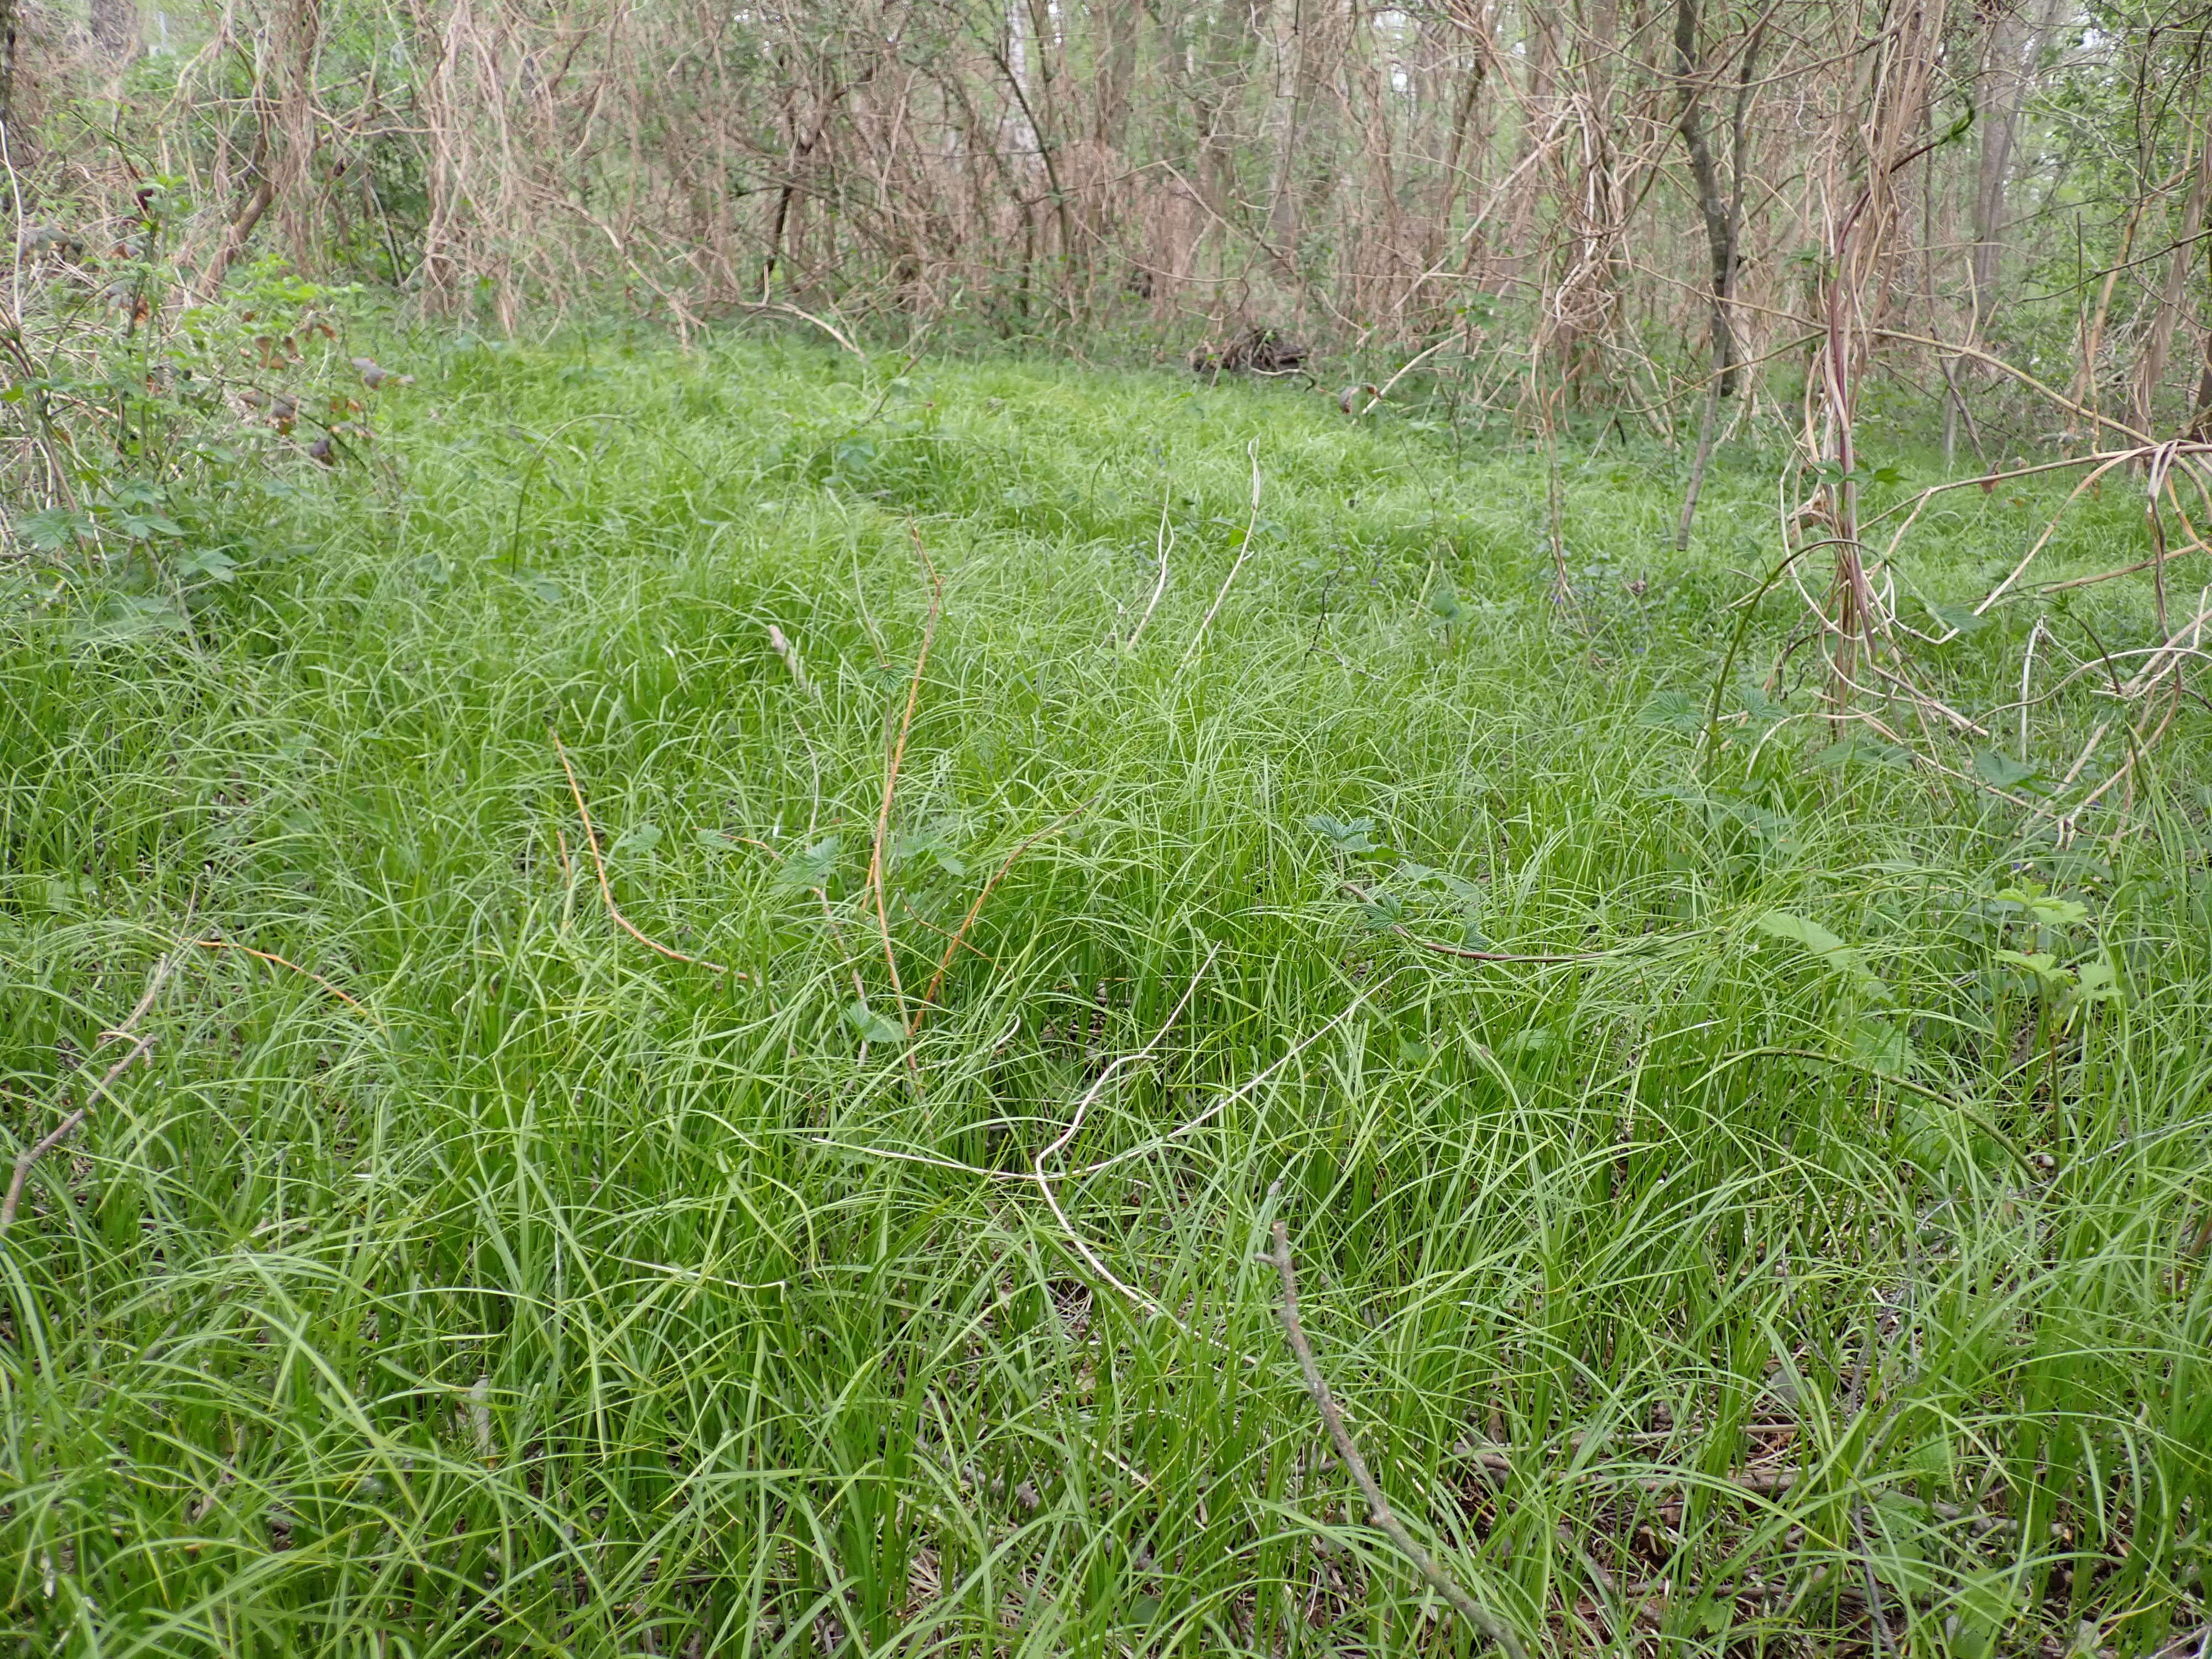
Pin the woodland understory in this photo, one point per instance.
(1217, 826)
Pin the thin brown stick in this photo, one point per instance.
(958, 944)
(607, 892)
(1347, 1452)
(70, 1125)
(960, 938)
(892, 771)
(271, 956)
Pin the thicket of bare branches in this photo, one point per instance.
(1638, 202)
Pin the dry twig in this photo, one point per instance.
(960, 938)
(70, 1125)
(1347, 1452)
(892, 771)
(607, 892)
(271, 956)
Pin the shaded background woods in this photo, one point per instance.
(1608, 204)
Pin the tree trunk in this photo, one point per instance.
(2151, 368)
(8, 15)
(115, 33)
(1712, 208)
(299, 43)
(1285, 42)
(2200, 419)
(1115, 75)
(2007, 72)
(1724, 227)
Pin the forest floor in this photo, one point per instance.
(844, 1221)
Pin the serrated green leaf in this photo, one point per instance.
(1859, 748)
(1673, 711)
(811, 867)
(2042, 964)
(1353, 837)
(2097, 981)
(1880, 1046)
(50, 529)
(145, 527)
(212, 562)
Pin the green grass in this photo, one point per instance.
(563, 1298)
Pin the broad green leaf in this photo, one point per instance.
(1347, 837)
(124, 616)
(145, 526)
(50, 529)
(1673, 711)
(1995, 766)
(1880, 1046)
(1859, 749)
(1959, 618)
(2043, 965)
(643, 839)
(1987, 1602)
(873, 1026)
(212, 562)
(811, 867)
(1384, 912)
(2097, 981)
(1833, 951)
(1762, 709)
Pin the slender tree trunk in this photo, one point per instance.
(2152, 367)
(1724, 227)
(2200, 419)
(299, 32)
(1115, 74)
(2010, 51)
(2015, 45)
(1712, 206)
(8, 12)
(1284, 33)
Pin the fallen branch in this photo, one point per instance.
(607, 892)
(70, 1125)
(777, 308)
(1347, 1452)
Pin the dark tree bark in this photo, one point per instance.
(8, 13)
(1713, 208)
(1724, 220)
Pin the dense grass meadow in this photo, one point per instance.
(1802, 1250)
